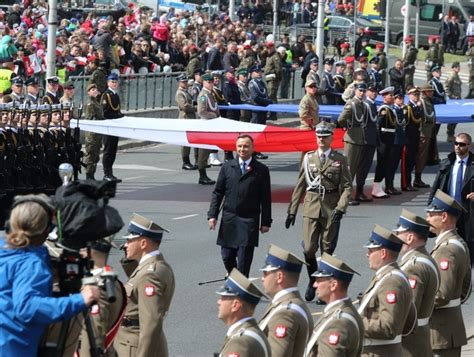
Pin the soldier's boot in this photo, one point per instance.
(196, 156)
(203, 179)
(312, 266)
(187, 164)
(419, 182)
(90, 172)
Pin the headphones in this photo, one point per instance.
(47, 208)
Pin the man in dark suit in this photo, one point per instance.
(245, 184)
(456, 178)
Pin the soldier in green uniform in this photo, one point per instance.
(99, 75)
(273, 72)
(238, 299)
(325, 181)
(93, 141)
(470, 56)
(432, 57)
(448, 332)
(383, 63)
(441, 50)
(207, 108)
(186, 110)
(249, 58)
(149, 289)
(423, 275)
(309, 108)
(287, 322)
(453, 87)
(409, 60)
(387, 304)
(340, 330)
(353, 118)
(194, 61)
(349, 71)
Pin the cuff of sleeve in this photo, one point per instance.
(79, 304)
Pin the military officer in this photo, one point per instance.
(238, 299)
(423, 275)
(339, 81)
(453, 85)
(110, 102)
(207, 108)
(375, 79)
(340, 330)
(32, 90)
(68, 95)
(245, 97)
(329, 85)
(352, 118)
(221, 100)
(272, 71)
(451, 254)
(52, 86)
(414, 115)
(249, 59)
(409, 60)
(149, 289)
(386, 306)
(186, 110)
(314, 76)
(439, 93)
(325, 180)
(231, 93)
(427, 134)
(350, 90)
(17, 89)
(470, 56)
(197, 85)
(93, 111)
(105, 316)
(371, 138)
(432, 57)
(195, 62)
(287, 322)
(349, 71)
(309, 108)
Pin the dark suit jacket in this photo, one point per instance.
(443, 181)
(247, 202)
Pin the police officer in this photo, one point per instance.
(186, 110)
(207, 108)
(409, 60)
(386, 306)
(105, 315)
(352, 118)
(149, 290)
(451, 254)
(329, 85)
(325, 180)
(93, 141)
(309, 108)
(238, 299)
(287, 322)
(414, 115)
(439, 93)
(340, 330)
(375, 79)
(453, 85)
(32, 90)
(110, 102)
(423, 275)
(52, 86)
(432, 57)
(17, 89)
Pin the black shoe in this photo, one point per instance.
(354, 203)
(188, 166)
(206, 181)
(361, 197)
(261, 156)
(310, 292)
(392, 191)
(112, 178)
(421, 184)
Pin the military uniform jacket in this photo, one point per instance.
(244, 91)
(247, 62)
(195, 90)
(410, 57)
(193, 65)
(272, 67)
(432, 57)
(375, 79)
(231, 92)
(308, 112)
(452, 257)
(93, 110)
(384, 307)
(340, 87)
(247, 203)
(414, 117)
(348, 76)
(429, 116)
(287, 323)
(423, 275)
(383, 63)
(110, 101)
(387, 124)
(371, 133)
(50, 98)
(334, 176)
(31, 99)
(439, 94)
(453, 86)
(339, 332)
(259, 93)
(184, 101)
(207, 106)
(352, 118)
(149, 290)
(245, 339)
(320, 86)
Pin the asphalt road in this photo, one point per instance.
(155, 186)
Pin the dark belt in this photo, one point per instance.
(326, 192)
(128, 322)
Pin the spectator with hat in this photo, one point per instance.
(452, 256)
(238, 299)
(340, 329)
(386, 306)
(424, 277)
(32, 90)
(150, 289)
(52, 87)
(409, 61)
(439, 93)
(397, 76)
(287, 322)
(453, 86)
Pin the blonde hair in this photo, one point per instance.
(29, 221)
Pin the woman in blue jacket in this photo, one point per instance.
(26, 305)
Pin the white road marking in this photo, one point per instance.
(133, 178)
(184, 217)
(141, 167)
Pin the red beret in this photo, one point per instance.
(379, 45)
(349, 59)
(345, 45)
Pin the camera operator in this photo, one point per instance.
(26, 280)
(106, 315)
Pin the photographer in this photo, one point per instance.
(26, 281)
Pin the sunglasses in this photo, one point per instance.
(312, 86)
(457, 143)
